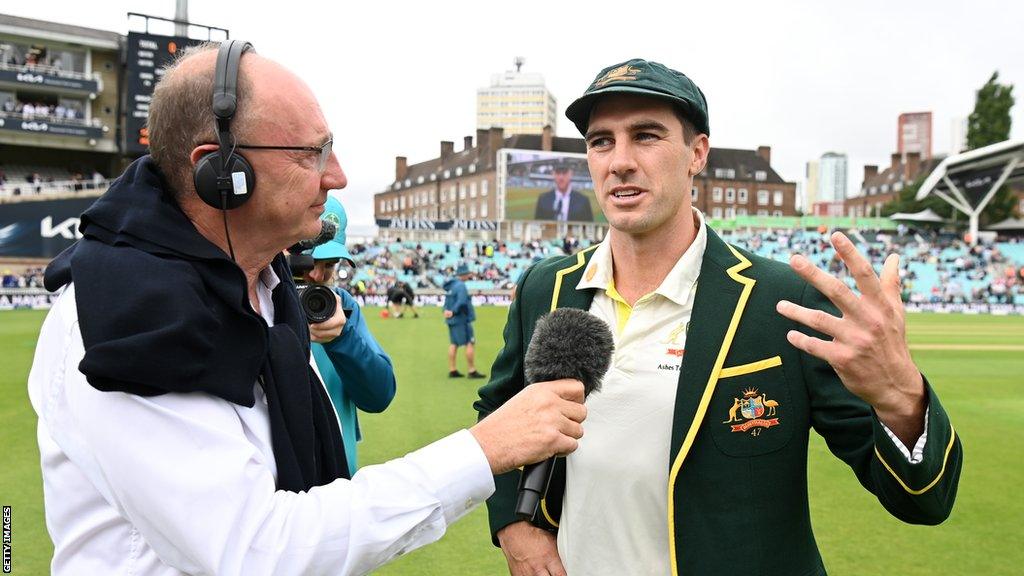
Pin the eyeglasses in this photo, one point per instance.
(324, 150)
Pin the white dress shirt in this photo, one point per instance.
(186, 483)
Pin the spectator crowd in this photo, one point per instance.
(935, 269)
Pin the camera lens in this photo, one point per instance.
(318, 303)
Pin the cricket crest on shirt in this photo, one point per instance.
(752, 413)
(674, 348)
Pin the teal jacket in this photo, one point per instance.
(357, 374)
(736, 496)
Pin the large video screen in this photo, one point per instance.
(547, 186)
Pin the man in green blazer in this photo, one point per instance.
(694, 459)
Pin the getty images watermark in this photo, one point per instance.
(7, 539)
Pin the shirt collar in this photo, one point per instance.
(265, 293)
(676, 286)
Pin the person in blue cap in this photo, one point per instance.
(459, 315)
(353, 367)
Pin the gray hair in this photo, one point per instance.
(181, 117)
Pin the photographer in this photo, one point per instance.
(353, 367)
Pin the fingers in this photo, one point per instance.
(827, 351)
(859, 266)
(829, 285)
(574, 411)
(572, 429)
(568, 389)
(816, 319)
(890, 279)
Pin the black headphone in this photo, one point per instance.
(224, 179)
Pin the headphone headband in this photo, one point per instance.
(224, 179)
(225, 81)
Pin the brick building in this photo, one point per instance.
(461, 188)
(881, 187)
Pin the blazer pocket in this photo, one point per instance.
(747, 414)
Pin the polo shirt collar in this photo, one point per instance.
(676, 286)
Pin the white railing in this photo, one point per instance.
(10, 191)
(49, 70)
(94, 123)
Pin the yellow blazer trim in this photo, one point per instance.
(544, 510)
(580, 261)
(945, 460)
(709, 389)
(752, 367)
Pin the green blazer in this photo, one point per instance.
(734, 496)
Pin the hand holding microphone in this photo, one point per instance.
(567, 343)
(568, 355)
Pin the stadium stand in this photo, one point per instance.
(21, 180)
(935, 268)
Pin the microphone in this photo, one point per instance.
(327, 231)
(566, 343)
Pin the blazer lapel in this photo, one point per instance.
(565, 294)
(722, 293)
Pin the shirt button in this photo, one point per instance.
(469, 503)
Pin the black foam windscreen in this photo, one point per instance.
(327, 231)
(570, 343)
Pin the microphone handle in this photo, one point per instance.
(533, 486)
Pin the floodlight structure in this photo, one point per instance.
(969, 180)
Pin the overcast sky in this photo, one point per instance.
(804, 77)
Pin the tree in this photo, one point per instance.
(988, 124)
(990, 121)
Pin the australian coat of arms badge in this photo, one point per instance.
(752, 411)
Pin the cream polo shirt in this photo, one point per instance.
(614, 512)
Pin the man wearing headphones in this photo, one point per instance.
(182, 429)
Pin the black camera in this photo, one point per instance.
(318, 302)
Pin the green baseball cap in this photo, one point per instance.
(334, 249)
(646, 78)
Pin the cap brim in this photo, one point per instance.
(579, 111)
(332, 251)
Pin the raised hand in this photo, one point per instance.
(869, 348)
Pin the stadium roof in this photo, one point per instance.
(974, 173)
(926, 215)
(46, 30)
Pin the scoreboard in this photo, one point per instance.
(147, 55)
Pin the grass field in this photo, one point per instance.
(976, 364)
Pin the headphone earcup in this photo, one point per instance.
(207, 172)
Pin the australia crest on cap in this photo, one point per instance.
(624, 73)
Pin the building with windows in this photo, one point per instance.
(58, 87)
(517, 102)
(832, 177)
(914, 134)
(460, 190)
(881, 187)
(811, 174)
(742, 183)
